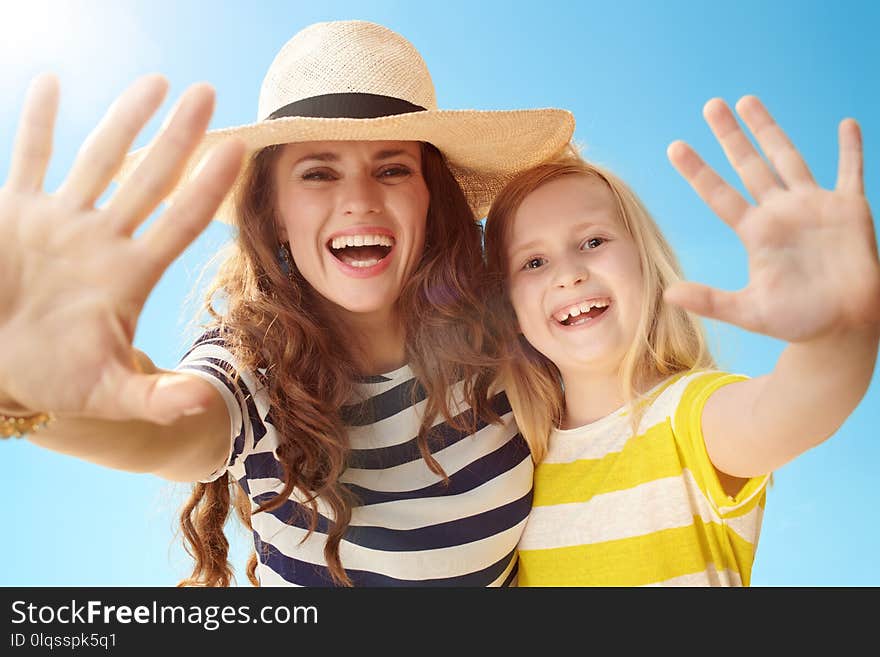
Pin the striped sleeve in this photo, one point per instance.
(688, 430)
(210, 360)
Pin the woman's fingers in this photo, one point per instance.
(723, 199)
(33, 142)
(103, 151)
(155, 177)
(850, 175)
(194, 206)
(755, 173)
(161, 398)
(784, 157)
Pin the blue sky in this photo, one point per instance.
(635, 74)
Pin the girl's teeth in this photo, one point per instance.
(576, 311)
(364, 263)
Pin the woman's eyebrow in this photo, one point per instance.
(326, 156)
(330, 156)
(388, 153)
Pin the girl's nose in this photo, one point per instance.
(570, 275)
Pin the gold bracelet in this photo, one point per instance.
(12, 426)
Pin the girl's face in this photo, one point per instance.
(354, 213)
(575, 279)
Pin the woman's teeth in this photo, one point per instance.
(363, 263)
(361, 240)
(361, 250)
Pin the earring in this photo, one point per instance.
(285, 259)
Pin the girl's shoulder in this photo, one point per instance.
(684, 393)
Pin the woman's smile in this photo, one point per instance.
(354, 214)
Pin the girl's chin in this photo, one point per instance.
(600, 356)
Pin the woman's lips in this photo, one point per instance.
(362, 251)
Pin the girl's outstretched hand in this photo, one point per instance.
(813, 265)
(74, 279)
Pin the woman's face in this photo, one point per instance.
(354, 213)
(575, 279)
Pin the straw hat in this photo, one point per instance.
(354, 80)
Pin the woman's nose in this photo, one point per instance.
(360, 196)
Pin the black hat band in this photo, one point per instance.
(346, 106)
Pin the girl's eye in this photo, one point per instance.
(534, 263)
(593, 243)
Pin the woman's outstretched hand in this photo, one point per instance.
(74, 279)
(813, 265)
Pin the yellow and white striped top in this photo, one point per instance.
(615, 509)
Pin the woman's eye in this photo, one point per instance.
(593, 242)
(534, 263)
(318, 175)
(396, 171)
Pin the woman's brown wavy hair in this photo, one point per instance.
(273, 320)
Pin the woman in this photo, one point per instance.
(341, 386)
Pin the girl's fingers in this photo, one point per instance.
(33, 142)
(193, 208)
(756, 175)
(723, 199)
(784, 157)
(105, 148)
(709, 302)
(850, 174)
(155, 177)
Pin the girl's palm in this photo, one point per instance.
(813, 265)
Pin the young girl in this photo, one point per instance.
(341, 394)
(652, 465)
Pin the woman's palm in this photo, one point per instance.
(75, 278)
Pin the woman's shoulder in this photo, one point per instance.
(210, 336)
(213, 352)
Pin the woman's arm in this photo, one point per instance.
(189, 449)
(814, 281)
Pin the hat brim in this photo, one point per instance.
(483, 148)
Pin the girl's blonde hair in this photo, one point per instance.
(668, 340)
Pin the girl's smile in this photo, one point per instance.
(582, 313)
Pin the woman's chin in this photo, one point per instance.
(368, 306)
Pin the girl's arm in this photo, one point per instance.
(75, 278)
(753, 427)
(814, 281)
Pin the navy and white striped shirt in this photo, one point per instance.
(409, 528)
